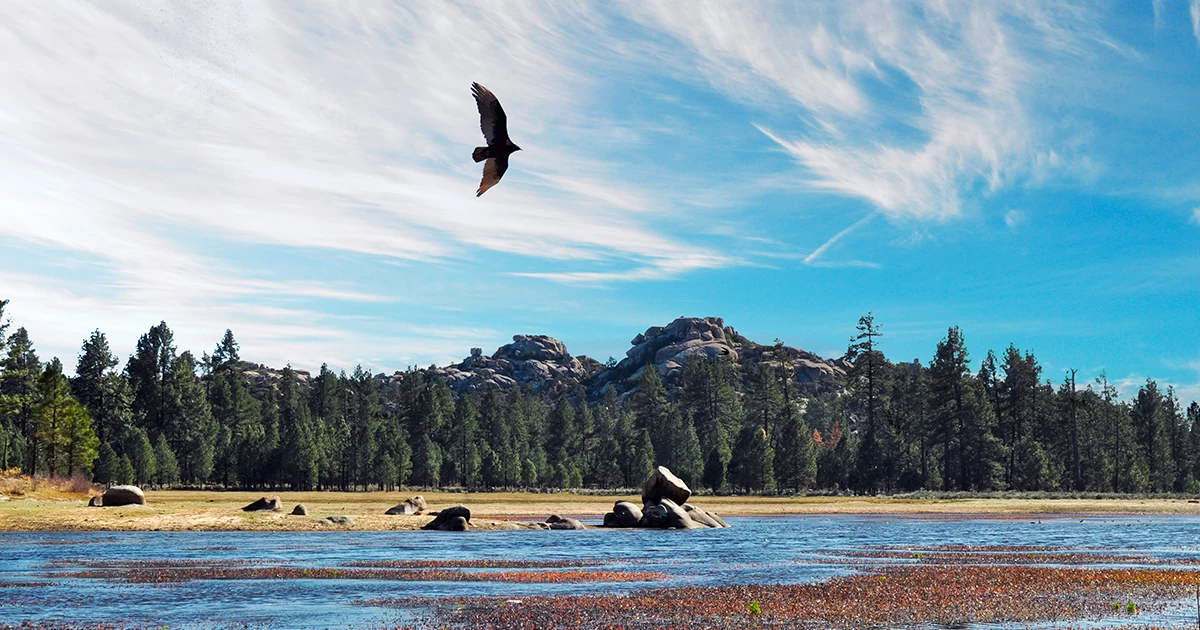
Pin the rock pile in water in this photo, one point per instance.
(664, 506)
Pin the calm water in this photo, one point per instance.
(754, 550)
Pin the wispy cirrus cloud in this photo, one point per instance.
(953, 78)
(154, 138)
(1195, 12)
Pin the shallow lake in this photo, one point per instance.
(35, 585)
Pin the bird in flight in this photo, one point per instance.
(494, 124)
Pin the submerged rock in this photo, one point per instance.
(567, 523)
(703, 517)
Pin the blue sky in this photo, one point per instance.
(299, 172)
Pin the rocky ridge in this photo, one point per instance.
(543, 365)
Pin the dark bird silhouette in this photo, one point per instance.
(494, 125)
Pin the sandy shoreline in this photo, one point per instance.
(179, 510)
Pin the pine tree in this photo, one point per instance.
(465, 440)
(641, 458)
(650, 411)
(188, 421)
(52, 414)
(149, 371)
(1153, 432)
(20, 373)
(135, 445)
(947, 374)
(753, 461)
(123, 472)
(427, 462)
(80, 441)
(298, 453)
(709, 396)
(94, 387)
(795, 456)
(166, 466)
(106, 465)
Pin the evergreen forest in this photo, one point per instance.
(165, 417)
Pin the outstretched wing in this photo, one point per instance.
(493, 170)
(492, 120)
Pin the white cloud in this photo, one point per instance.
(150, 130)
(818, 252)
(1014, 218)
(1195, 11)
(851, 66)
(1196, 215)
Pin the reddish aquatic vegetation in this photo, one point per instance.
(478, 564)
(904, 596)
(168, 574)
(959, 547)
(1013, 558)
(152, 563)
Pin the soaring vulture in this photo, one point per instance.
(494, 125)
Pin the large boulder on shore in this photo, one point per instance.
(265, 504)
(123, 495)
(415, 505)
(663, 484)
(299, 510)
(626, 514)
(452, 519)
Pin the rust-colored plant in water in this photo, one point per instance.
(902, 596)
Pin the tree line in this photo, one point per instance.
(169, 418)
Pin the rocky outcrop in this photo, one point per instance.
(665, 507)
(663, 484)
(538, 363)
(338, 520)
(265, 504)
(451, 519)
(299, 510)
(667, 348)
(123, 495)
(414, 505)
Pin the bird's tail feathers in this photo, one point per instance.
(480, 154)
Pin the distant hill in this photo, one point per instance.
(542, 364)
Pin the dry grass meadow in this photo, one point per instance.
(61, 505)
